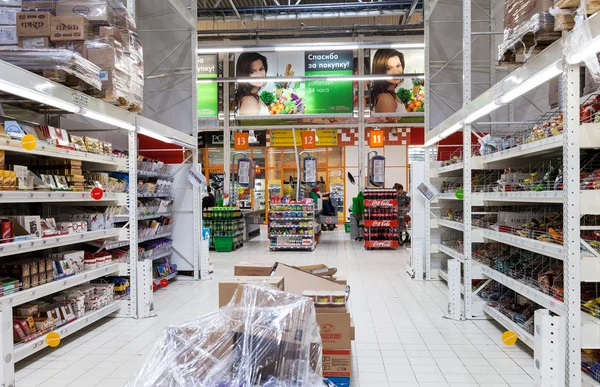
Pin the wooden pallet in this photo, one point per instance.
(592, 6)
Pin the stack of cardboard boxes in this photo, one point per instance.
(100, 31)
(8, 22)
(337, 329)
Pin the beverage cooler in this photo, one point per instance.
(381, 219)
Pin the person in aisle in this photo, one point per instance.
(383, 93)
(209, 200)
(247, 99)
(403, 208)
(328, 207)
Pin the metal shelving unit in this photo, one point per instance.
(579, 329)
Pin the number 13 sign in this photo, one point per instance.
(376, 139)
(308, 139)
(240, 141)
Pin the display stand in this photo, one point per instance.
(381, 219)
(226, 226)
(292, 226)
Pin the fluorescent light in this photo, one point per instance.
(38, 96)
(451, 130)
(408, 45)
(484, 111)
(205, 81)
(432, 141)
(541, 77)
(107, 119)
(154, 135)
(274, 79)
(319, 47)
(216, 50)
(589, 50)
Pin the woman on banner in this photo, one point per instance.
(383, 93)
(247, 99)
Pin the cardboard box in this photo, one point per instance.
(108, 58)
(297, 281)
(8, 35)
(517, 12)
(337, 362)
(336, 332)
(39, 6)
(340, 280)
(228, 287)
(78, 46)
(33, 24)
(352, 330)
(320, 270)
(97, 12)
(35, 42)
(8, 16)
(262, 269)
(69, 28)
(117, 78)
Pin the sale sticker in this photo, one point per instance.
(29, 142)
(376, 139)
(52, 339)
(97, 193)
(240, 141)
(164, 283)
(460, 194)
(309, 139)
(509, 338)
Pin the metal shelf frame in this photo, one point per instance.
(578, 328)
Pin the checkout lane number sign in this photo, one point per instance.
(240, 141)
(309, 139)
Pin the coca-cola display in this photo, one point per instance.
(381, 219)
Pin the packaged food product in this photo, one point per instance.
(338, 298)
(324, 298)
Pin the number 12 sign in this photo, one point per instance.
(376, 139)
(240, 141)
(308, 139)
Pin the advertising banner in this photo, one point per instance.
(397, 97)
(292, 98)
(208, 97)
(324, 137)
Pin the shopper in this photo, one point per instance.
(403, 217)
(247, 99)
(328, 207)
(383, 93)
(209, 200)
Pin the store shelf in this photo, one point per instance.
(509, 324)
(548, 249)
(290, 226)
(525, 197)
(309, 218)
(21, 247)
(281, 212)
(447, 196)
(156, 236)
(25, 350)
(451, 170)
(293, 247)
(451, 252)
(44, 149)
(587, 381)
(61, 284)
(125, 218)
(159, 175)
(57, 197)
(155, 195)
(451, 224)
(160, 255)
(167, 277)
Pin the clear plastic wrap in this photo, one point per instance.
(579, 39)
(263, 337)
(52, 59)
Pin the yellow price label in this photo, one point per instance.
(29, 142)
(509, 338)
(53, 339)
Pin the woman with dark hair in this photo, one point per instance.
(383, 93)
(247, 100)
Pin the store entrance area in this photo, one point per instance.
(401, 338)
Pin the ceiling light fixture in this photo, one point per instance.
(484, 111)
(217, 50)
(318, 47)
(539, 78)
(408, 45)
(107, 119)
(38, 96)
(154, 135)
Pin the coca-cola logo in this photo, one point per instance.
(376, 203)
(382, 223)
(66, 27)
(382, 244)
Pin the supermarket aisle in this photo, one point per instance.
(401, 337)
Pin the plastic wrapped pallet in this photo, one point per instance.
(264, 337)
(526, 24)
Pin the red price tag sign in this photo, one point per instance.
(240, 141)
(376, 139)
(97, 193)
(164, 283)
(309, 140)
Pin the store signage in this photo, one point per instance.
(285, 99)
(323, 137)
(97, 193)
(208, 95)
(376, 138)
(308, 140)
(240, 141)
(29, 142)
(216, 139)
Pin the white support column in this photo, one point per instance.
(427, 247)
(199, 270)
(361, 120)
(549, 350)
(226, 131)
(132, 8)
(8, 348)
(467, 160)
(569, 94)
(453, 289)
(493, 52)
(135, 284)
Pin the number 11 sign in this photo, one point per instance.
(376, 139)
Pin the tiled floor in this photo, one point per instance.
(401, 337)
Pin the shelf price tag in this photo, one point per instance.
(97, 193)
(309, 139)
(376, 139)
(52, 339)
(240, 141)
(29, 142)
(509, 338)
